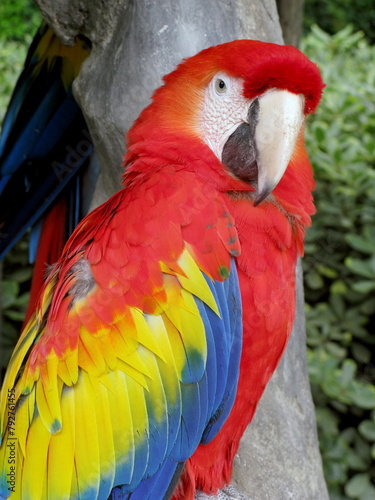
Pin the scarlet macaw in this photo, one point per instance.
(45, 149)
(159, 327)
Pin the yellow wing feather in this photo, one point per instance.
(61, 451)
(86, 450)
(83, 414)
(34, 468)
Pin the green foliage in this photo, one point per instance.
(340, 262)
(334, 15)
(19, 19)
(15, 284)
(11, 63)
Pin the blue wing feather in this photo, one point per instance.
(44, 141)
(205, 403)
(24, 144)
(232, 298)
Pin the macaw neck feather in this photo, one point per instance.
(293, 194)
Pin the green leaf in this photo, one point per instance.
(360, 267)
(365, 286)
(9, 292)
(348, 372)
(314, 280)
(357, 485)
(364, 396)
(338, 287)
(22, 301)
(357, 463)
(338, 305)
(361, 353)
(367, 429)
(9, 334)
(369, 494)
(14, 315)
(336, 350)
(329, 272)
(359, 243)
(368, 307)
(319, 133)
(21, 275)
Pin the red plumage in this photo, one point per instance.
(53, 230)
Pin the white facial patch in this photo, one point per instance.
(224, 109)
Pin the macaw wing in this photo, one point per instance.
(44, 140)
(123, 379)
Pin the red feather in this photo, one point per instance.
(51, 244)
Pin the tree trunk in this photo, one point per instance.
(134, 43)
(291, 20)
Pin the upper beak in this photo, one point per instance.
(279, 119)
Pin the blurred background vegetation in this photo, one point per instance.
(339, 264)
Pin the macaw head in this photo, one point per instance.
(246, 100)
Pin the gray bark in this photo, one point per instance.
(134, 43)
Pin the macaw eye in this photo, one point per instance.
(220, 86)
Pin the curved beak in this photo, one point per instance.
(279, 119)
